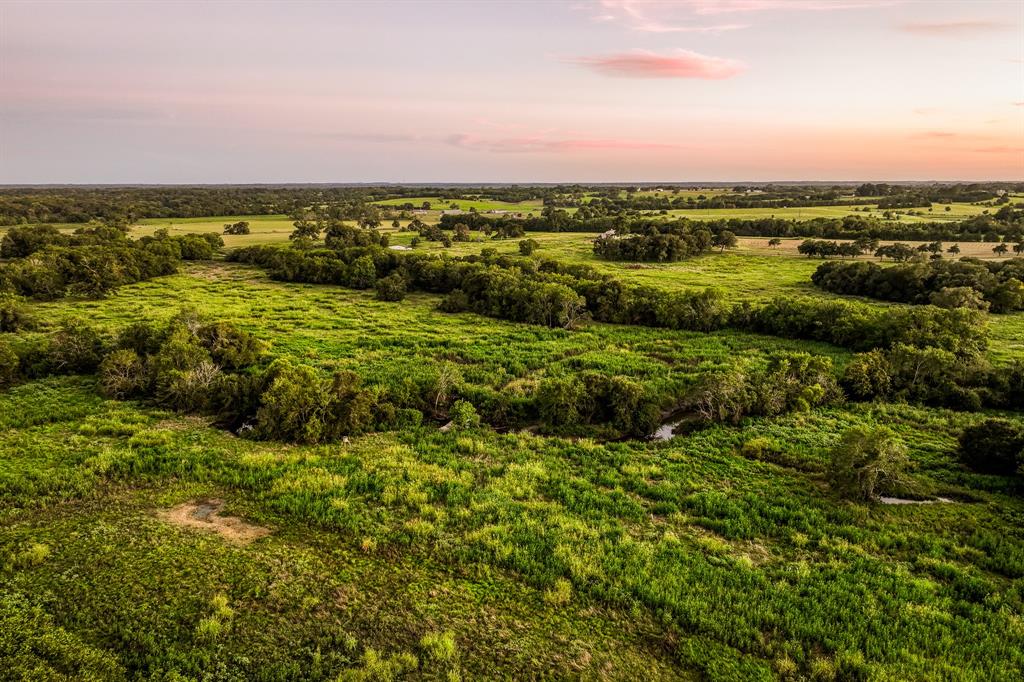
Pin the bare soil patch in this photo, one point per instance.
(205, 515)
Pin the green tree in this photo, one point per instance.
(363, 273)
(994, 446)
(866, 460)
(725, 240)
(391, 288)
(528, 246)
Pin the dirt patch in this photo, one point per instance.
(205, 515)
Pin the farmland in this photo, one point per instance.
(468, 527)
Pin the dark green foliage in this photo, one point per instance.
(238, 228)
(338, 235)
(363, 273)
(937, 281)
(463, 415)
(661, 243)
(10, 364)
(229, 347)
(20, 242)
(122, 375)
(867, 461)
(927, 375)
(75, 348)
(793, 381)
(993, 446)
(13, 313)
(300, 405)
(391, 288)
(589, 397)
(528, 246)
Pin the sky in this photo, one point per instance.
(492, 91)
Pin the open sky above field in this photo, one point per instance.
(618, 90)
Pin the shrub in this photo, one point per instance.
(866, 460)
(959, 297)
(76, 348)
(463, 415)
(995, 446)
(229, 346)
(391, 288)
(13, 315)
(122, 374)
(528, 246)
(440, 646)
(363, 273)
(294, 405)
(9, 364)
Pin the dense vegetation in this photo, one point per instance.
(47, 264)
(967, 283)
(446, 460)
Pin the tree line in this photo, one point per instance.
(47, 264)
(967, 283)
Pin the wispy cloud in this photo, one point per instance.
(536, 143)
(728, 6)
(953, 28)
(371, 137)
(686, 16)
(645, 64)
(934, 135)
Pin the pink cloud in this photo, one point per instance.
(536, 143)
(1018, 104)
(679, 64)
(952, 28)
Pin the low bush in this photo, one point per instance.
(994, 446)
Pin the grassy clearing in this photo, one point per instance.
(394, 343)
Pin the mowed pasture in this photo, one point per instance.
(265, 229)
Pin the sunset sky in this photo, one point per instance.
(169, 92)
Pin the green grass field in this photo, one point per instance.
(475, 551)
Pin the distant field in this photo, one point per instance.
(265, 229)
(939, 213)
(436, 204)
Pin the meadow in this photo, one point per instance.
(138, 542)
